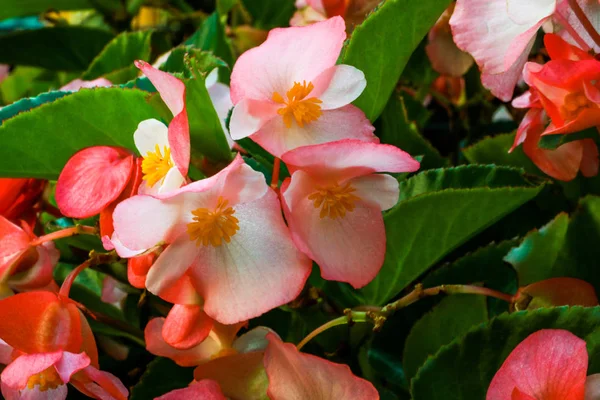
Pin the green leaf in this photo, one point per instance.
(28, 103)
(211, 37)
(383, 44)
(423, 229)
(566, 247)
(450, 319)
(22, 8)
(224, 6)
(161, 376)
(551, 142)
(39, 142)
(464, 369)
(395, 128)
(115, 62)
(69, 48)
(268, 14)
(494, 150)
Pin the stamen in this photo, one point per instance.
(297, 107)
(213, 227)
(334, 200)
(574, 104)
(45, 380)
(155, 165)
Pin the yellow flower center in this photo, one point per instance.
(574, 104)
(298, 106)
(212, 227)
(334, 200)
(156, 165)
(47, 379)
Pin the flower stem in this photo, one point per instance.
(275, 175)
(64, 233)
(350, 317)
(585, 22)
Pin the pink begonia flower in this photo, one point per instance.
(499, 34)
(203, 390)
(227, 233)
(296, 376)
(221, 99)
(308, 13)
(550, 364)
(298, 96)
(4, 71)
(112, 292)
(445, 57)
(166, 150)
(333, 203)
(24, 267)
(77, 84)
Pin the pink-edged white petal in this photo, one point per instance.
(221, 98)
(249, 116)
(92, 179)
(348, 122)
(346, 159)
(58, 393)
(149, 134)
(171, 89)
(294, 54)
(115, 244)
(379, 190)
(260, 268)
(347, 249)
(172, 181)
(18, 372)
(203, 390)
(548, 364)
(338, 86)
(77, 84)
(297, 376)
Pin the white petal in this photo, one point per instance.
(378, 189)
(150, 133)
(347, 83)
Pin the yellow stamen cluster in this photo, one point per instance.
(297, 106)
(213, 227)
(45, 380)
(574, 104)
(334, 200)
(155, 165)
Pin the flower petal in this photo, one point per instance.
(186, 326)
(221, 98)
(549, 364)
(38, 275)
(379, 190)
(296, 376)
(14, 242)
(92, 179)
(592, 387)
(149, 134)
(348, 249)
(70, 363)
(249, 116)
(294, 55)
(205, 390)
(346, 159)
(340, 85)
(103, 385)
(348, 122)
(260, 268)
(18, 372)
(254, 340)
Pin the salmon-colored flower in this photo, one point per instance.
(47, 345)
(205, 390)
(548, 365)
(18, 196)
(555, 292)
(288, 92)
(333, 203)
(226, 233)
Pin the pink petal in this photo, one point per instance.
(296, 376)
(104, 385)
(348, 122)
(112, 292)
(39, 275)
(549, 364)
(18, 372)
(115, 244)
(186, 326)
(196, 355)
(518, 395)
(532, 124)
(181, 292)
(14, 241)
(294, 55)
(58, 393)
(348, 249)
(71, 363)
(92, 179)
(592, 387)
(6, 352)
(77, 84)
(249, 116)
(205, 390)
(377, 190)
(172, 91)
(338, 86)
(260, 268)
(589, 160)
(349, 158)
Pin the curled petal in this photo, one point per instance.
(205, 390)
(18, 372)
(186, 326)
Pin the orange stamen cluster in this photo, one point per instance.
(334, 200)
(45, 380)
(213, 227)
(297, 106)
(155, 165)
(574, 104)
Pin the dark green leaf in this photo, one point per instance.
(268, 14)
(161, 376)
(464, 369)
(68, 48)
(39, 142)
(28, 103)
(115, 62)
(21, 8)
(224, 6)
(211, 37)
(450, 319)
(383, 44)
